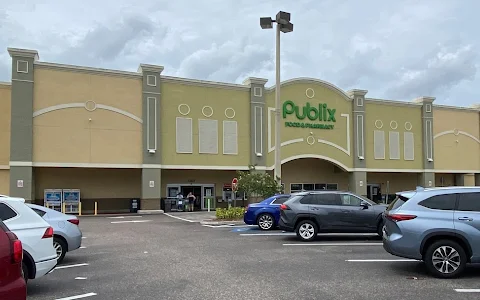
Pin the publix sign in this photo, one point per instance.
(318, 116)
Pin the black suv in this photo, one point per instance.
(308, 213)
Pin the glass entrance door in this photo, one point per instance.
(208, 195)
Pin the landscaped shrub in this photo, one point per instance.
(231, 213)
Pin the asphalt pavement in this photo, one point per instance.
(161, 257)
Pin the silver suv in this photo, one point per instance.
(440, 226)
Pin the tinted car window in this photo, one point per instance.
(280, 200)
(399, 201)
(308, 199)
(443, 202)
(469, 202)
(350, 200)
(39, 212)
(328, 199)
(6, 212)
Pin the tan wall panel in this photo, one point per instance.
(68, 136)
(196, 97)
(388, 113)
(469, 180)
(443, 179)
(397, 182)
(456, 152)
(54, 87)
(219, 178)
(308, 170)
(5, 113)
(4, 182)
(93, 183)
(297, 93)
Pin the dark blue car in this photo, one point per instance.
(265, 214)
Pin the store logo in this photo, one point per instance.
(320, 113)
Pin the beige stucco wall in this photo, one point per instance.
(5, 114)
(297, 92)
(311, 170)
(77, 135)
(196, 177)
(397, 182)
(4, 182)
(456, 150)
(93, 183)
(401, 114)
(197, 97)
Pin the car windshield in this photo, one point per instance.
(366, 199)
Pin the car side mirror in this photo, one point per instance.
(364, 204)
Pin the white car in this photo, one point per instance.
(36, 235)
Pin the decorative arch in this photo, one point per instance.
(313, 80)
(456, 132)
(322, 157)
(84, 105)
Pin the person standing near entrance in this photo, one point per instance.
(191, 201)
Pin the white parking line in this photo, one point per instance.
(175, 217)
(84, 237)
(80, 278)
(83, 247)
(123, 217)
(77, 297)
(334, 244)
(70, 266)
(134, 221)
(467, 290)
(380, 260)
(268, 234)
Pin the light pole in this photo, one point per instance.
(283, 25)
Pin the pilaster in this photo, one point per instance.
(151, 141)
(427, 178)
(21, 140)
(258, 126)
(358, 179)
(477, 179)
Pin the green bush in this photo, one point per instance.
(231, 213)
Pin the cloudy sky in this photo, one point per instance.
(395, 49)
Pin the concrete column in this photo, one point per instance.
(427, 177)
(21, 140)
(358, 179)
(151, 142)
(258, 125)
(477, 179)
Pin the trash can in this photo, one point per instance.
(168, 205)
(134, 205)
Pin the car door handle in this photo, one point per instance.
(465, 219)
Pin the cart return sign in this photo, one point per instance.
(318, 116)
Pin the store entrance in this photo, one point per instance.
(196, 190)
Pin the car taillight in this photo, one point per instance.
(74, 221)
(284, 207)
(400, 217)
(48, 233)
(16, 248)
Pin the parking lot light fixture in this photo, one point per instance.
(283, 25)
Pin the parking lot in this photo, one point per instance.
(161, 257)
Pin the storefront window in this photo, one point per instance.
(308, 186)
(320, 186)
(299, 187)
(332, 186)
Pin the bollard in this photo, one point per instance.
(96, 205)
(79, 208)
(64, 207)
(208, 204)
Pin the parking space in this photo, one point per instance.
(167, 258)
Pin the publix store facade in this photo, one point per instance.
(115, 135)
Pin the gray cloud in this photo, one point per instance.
(390, 48)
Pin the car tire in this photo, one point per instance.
(25, 272)
(445, 249)
(61, 248)
(380, 228)
(266, 221)
(306, 230)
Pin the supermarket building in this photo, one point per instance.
(117, 135)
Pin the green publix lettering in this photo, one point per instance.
(322, 113)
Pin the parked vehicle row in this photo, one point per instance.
(439, 226)
(38, 239)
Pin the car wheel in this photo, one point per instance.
(61, 249)
(265, 221)
(445, 259)
(306, 230)
(25, 272)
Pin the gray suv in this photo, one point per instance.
(308, 213)
(440, 226)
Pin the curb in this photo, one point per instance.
(221, 222)
(140, 212)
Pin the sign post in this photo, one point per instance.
(234, 191)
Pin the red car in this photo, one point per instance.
(12, 284)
